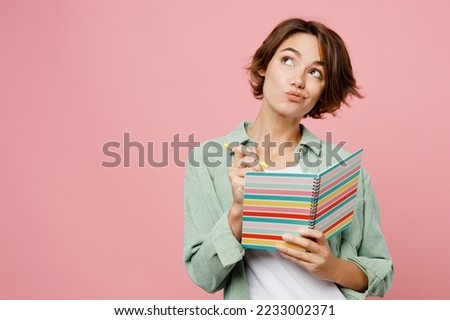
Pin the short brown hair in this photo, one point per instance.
(339, 80)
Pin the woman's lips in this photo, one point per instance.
(294, 96)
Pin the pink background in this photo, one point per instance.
(77, 74)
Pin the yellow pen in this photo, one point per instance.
(261, 163)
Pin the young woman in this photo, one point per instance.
(301, 70)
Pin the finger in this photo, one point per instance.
(249, 153)
(295, 254)
(239, 188)
(254, 164)
(259, 167)
(237, 179)
(240, 172)
(243, 150)
(235, 171)
(248, 150)
(248, 161)
(237, 156)
(306, 243)
(237, 184)
(240, 148)
(234, 148)
(301, 262)
(314, 234)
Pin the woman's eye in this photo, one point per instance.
(288, 61)
(317, 74)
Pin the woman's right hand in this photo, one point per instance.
(245, 159)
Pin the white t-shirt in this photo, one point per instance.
(271, 277)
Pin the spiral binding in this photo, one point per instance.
(314, 202)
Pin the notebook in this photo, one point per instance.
(279, 203)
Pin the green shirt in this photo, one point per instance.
(214, 258)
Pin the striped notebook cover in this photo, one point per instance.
(278, 203)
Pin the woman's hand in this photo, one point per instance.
(317, 259)
(320, 261)
(245, 159)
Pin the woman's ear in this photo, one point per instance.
(262, 73)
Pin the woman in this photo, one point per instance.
(301, 70)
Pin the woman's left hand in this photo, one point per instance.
(317, 259)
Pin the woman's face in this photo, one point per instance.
(295, 78)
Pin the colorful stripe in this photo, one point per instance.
(249, 208)
(336, 200)
(301, 193)
(333, 183)
(279, 204)
(277, 215)
(264, 244)
(298, 222)
(283, 186)
(339, 171)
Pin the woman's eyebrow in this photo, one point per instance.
(298, 54)
(294, 51)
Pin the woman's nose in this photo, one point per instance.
(298, 81)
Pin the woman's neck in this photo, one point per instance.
(275, 129)
(277, 138)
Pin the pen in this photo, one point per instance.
(261, 162)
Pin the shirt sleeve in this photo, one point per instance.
(363, 244)
(210, 249)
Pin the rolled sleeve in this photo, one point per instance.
(378, 273)
(227, 247)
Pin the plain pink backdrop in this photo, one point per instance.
(77, 74)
